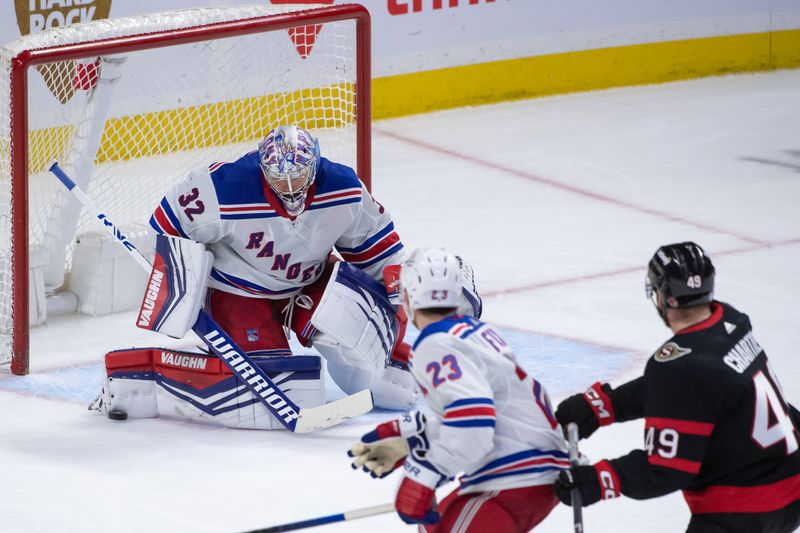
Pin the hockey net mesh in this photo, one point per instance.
(170, 110)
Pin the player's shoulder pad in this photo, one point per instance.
(335, 177)
(239, 182)
(453, 326)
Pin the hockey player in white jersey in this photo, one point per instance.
(488, 419)
(263, 231)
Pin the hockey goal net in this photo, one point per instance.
(129, 106)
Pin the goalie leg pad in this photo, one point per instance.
(199, 388)
(392, 387)
(354, 314)
(129, 386)
(395, 389)
(471, 302)
(357, 328)
(177, 286)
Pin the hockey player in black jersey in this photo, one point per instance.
(716, 424)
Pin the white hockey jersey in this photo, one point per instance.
(490, 420)
(259, 250)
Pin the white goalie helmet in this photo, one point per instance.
(431, 278)
(289, 157)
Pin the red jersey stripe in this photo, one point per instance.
(758, 499)
(164, 222)
(470, 411)
(676, 463)
(687, 427)
(331, 196)
(377, 249)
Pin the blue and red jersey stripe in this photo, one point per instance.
(331, 199)
(381, 245)
(165, 222)
(520, 463)
(470, 412)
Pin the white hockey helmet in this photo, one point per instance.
(431, 278)
(289, 157)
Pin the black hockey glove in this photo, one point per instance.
(589, 410)
(588, 479)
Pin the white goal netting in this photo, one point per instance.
(130, 123)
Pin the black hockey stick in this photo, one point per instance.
(256, 380)
(329, 519)
(574, 455)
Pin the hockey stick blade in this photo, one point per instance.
(574, 460)
(218, 341)
(329, 519)
(330, 414)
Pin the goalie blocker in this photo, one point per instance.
(154, 382)
(176, 288)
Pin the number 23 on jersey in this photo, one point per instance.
(445, 370)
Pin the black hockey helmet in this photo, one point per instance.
(683, 274)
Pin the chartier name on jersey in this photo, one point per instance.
(261, 251)
(743, 353)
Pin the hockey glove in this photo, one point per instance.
(402, 350)
(415, 497)
(595, 483)
(415, 501)
(589, 410)
(380, 451)
(385, 448)
(391, 280)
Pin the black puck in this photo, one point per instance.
(117, 415)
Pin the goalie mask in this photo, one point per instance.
(289, 158)
(431, 278)
(682, 275)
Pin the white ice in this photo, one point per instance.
(558, 203)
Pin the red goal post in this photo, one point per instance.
(131, 105)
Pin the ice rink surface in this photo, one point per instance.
(558, 203)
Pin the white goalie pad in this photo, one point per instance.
(355, 316)
(177, 286)
(471, 303)
(155, 382)
(357, 329)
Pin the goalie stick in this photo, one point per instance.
(574, 460)
(293, 417)
(329, 519)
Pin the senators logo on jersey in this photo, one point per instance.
(670, 351)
